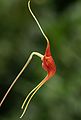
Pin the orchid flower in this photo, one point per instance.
(48, 65)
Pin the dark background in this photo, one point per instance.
(60, 97)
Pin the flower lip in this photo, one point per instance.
(48, 63)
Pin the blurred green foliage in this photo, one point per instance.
(60, 97)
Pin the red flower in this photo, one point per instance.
(48, 65)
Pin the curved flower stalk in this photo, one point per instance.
(48, 65)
